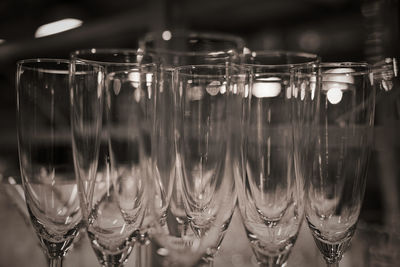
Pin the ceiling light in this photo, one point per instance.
(57, 27)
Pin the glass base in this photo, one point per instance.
(55, 262)
(272, 261)
(112, 259)
(332, 251)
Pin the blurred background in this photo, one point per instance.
(337, 30)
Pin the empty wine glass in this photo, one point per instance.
(208, 192)
(45, 153)
(113, 60)
(174, 49)
(128, 109)
(270, 195)
(343, 133)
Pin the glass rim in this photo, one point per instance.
(210, 53)
(310, 58)
(43, 60)
(24, 64)
(57, 61)
(156, 35)
(346, 64)
(76, 55)
(277, 74)
(178, 70)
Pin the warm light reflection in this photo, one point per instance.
(215, 87)
(335, 81)
(246, 90)
(267, 87)
(137, 94)
(57, 27)
(100, 79)
(117, 86)
(2, 41)
(334, 95)
(340, 75)
(149, 79)
(289, 92)
(235, 89)
(134, 78)
(223, 88)
(166, 35)
(313, 85)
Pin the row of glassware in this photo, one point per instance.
(161, 143)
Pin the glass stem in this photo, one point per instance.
(55, 262)
(142, 255)
(335, 264)
(205, 263)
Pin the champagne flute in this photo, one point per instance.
(335, 188)
(128, 108)
(112, 60)
(208, 190)
(45, 153)
(174, 49)
(270, 195)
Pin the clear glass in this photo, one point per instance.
(180, 48)
(270, 194)
(164, 150)
(305, 97)
(343, 141)
(206, 190)
(114, 60)
(45, 153)
(119, 211)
